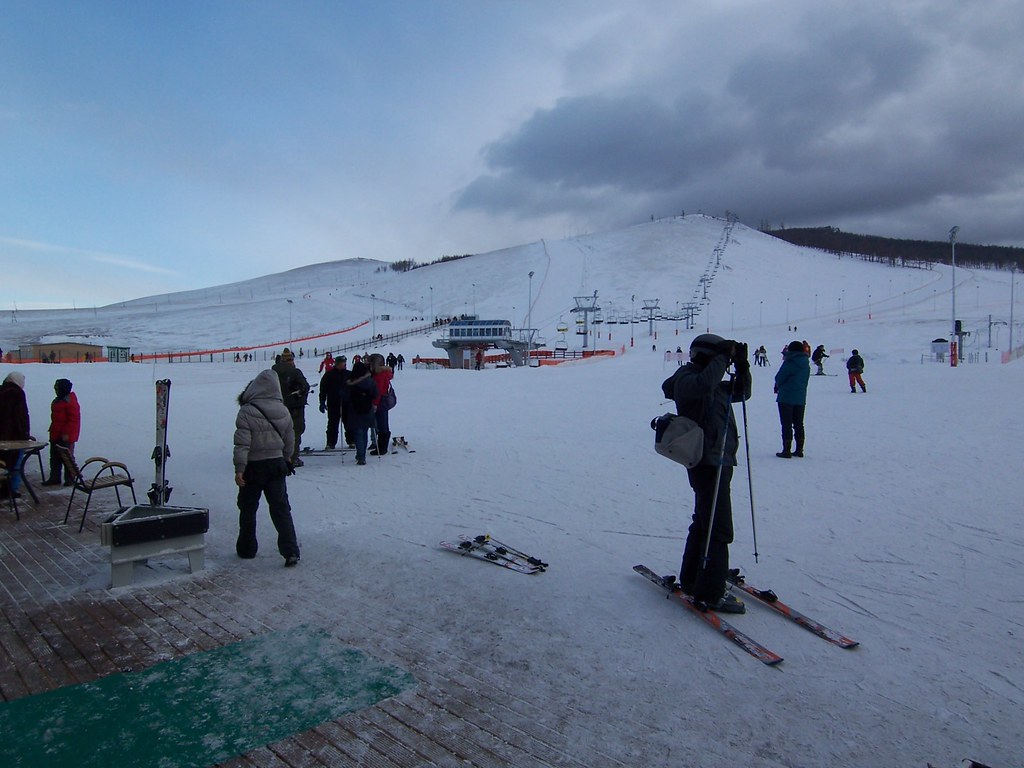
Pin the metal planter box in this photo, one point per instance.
(136, 534)
(143, 523)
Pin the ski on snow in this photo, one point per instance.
(485, 548)
(770, 599)
(745, 642)
(506, 549)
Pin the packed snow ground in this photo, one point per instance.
(900, 528)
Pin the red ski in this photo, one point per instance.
(769, 598)
(745, 642)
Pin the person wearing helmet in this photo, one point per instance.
(701, 394)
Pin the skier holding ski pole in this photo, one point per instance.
(701, 394)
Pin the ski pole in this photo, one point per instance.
(718, 478)
(750, 477)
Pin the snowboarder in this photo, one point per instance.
(791, 390)
(855, 367)
(264, 444)
(818, 358)
(700, 394)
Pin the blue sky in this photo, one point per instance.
(147, 147)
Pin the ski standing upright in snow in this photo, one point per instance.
(160, 492)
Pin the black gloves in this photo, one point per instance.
(737, 352)
(323, 408)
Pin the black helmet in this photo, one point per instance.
(706, 344)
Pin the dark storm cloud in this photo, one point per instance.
(845, 121)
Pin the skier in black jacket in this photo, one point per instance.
(700, 394)
(332, 386)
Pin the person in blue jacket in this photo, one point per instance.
(791, 390)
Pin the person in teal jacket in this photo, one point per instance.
(791, 390)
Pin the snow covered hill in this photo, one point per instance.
(741, 279)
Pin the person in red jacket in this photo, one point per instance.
(65, 426)
(382, 375)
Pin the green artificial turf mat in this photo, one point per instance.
(198, 710)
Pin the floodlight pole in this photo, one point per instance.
(1013, 274)
(952, 335)
(632, 315)
(373, 314)
(289, 319)
(529, 304)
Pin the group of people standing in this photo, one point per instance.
(64, 431)
(271, 422)
(356, 402)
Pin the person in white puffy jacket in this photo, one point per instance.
(264, 444)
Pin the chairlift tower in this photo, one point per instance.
(689, 314)
(586, 305)
(650, 307)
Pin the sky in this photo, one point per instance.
(146, 148)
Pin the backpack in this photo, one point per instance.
(678, 438)
(389, 399)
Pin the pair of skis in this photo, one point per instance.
(160, 492)
(484, 547)
(765, 597)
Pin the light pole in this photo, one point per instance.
(632, 316)
(1013, 275)
(373, 314)
(431, 303)
(760, 314)
(529, 307)
(952, 335)
(289, 319)
(474, 299)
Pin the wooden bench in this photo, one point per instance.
(106, 476)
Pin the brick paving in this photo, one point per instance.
(60, 625)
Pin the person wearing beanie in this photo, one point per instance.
(263, 446)
(14, 422)
(294, 392)
(855, 367)
(65, 427)
(791, 390)
(331, 385)
(701, 394)
(360, 391)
